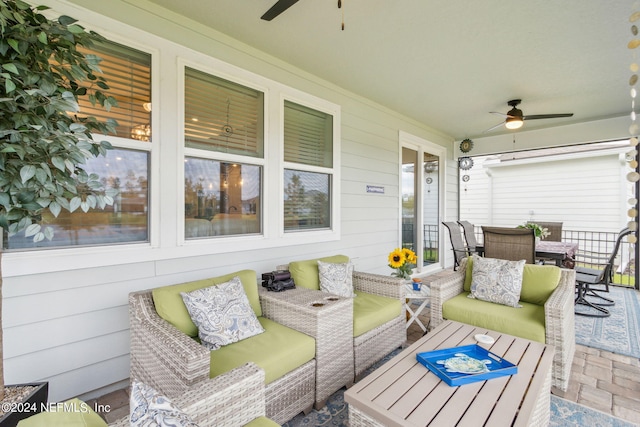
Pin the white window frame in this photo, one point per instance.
(421, 146)
(324, 234)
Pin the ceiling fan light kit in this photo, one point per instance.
(513, 123)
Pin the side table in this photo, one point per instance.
(329, 319)
(424, 296)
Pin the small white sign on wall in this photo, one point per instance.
(375, 189)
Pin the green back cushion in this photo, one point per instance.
(371, 311)
(171, 308)
(278, 350)
(525, 322)
(305, 273)
(538, 281)
(71, 413)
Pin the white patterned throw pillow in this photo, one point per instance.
(222, 314)
(336, 278)
(497, 280)
(148, 408)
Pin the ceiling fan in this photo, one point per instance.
(514, 117)
(277, 9)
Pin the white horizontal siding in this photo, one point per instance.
(70, 327)
(584, 193)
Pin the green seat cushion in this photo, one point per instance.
(72, 413)
(371, 311)
(539, 282)
(171, 308)
(262, 422)
(278, 350)
(305, 273)
(525, 322)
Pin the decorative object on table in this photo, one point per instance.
(539, 231)
(416, 282)
(466, 145)
(466, 364)
(402, 260)
(278, 281)
(465, 163)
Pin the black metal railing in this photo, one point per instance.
(603, 243)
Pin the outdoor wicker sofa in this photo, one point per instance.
(374, 292)
(233, 399)
(172, 362)
(557, 321)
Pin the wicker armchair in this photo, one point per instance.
(371, 346)
(174, 363)
(558, 313)
(232, 399)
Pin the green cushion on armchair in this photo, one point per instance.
(278, 350)
(171, 308)
(371, 311)
(72, 413)
(525, 322)
(305, 273)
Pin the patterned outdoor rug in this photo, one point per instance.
(618, 333)
(563, 414)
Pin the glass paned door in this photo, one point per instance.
(421, 204)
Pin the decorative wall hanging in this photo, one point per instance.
(465, 163)
(632, 155)
(466, 145)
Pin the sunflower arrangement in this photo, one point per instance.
(402, 260)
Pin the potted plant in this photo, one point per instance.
(43, 143)
(540, 232)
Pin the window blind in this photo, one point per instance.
(128, 73)
(222, 116)
(308, 136)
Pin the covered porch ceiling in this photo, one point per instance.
(447, 64)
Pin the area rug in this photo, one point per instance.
(563, 414)
(618, 333)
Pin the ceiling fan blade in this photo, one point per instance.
(493, 127)
(277, 9)
(499, 114)
(546, 116)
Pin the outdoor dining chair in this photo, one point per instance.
(469, 234)
(458, 244)
(594, 273)
(554, 229)
(510, 243)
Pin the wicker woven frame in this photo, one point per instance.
(558, 314)
(231, 399)
(326, 318)
(373, 345)
(173, 363)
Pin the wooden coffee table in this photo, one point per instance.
(403, 392)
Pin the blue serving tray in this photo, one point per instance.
(453, 366)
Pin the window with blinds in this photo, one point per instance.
(308, 136)
(222, 116)
(127, 71)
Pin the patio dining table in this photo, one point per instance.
(562, 253)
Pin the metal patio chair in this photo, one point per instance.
(469, 234)
(594, 273)
(510, 243)
(554, 228)
(458, 244)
